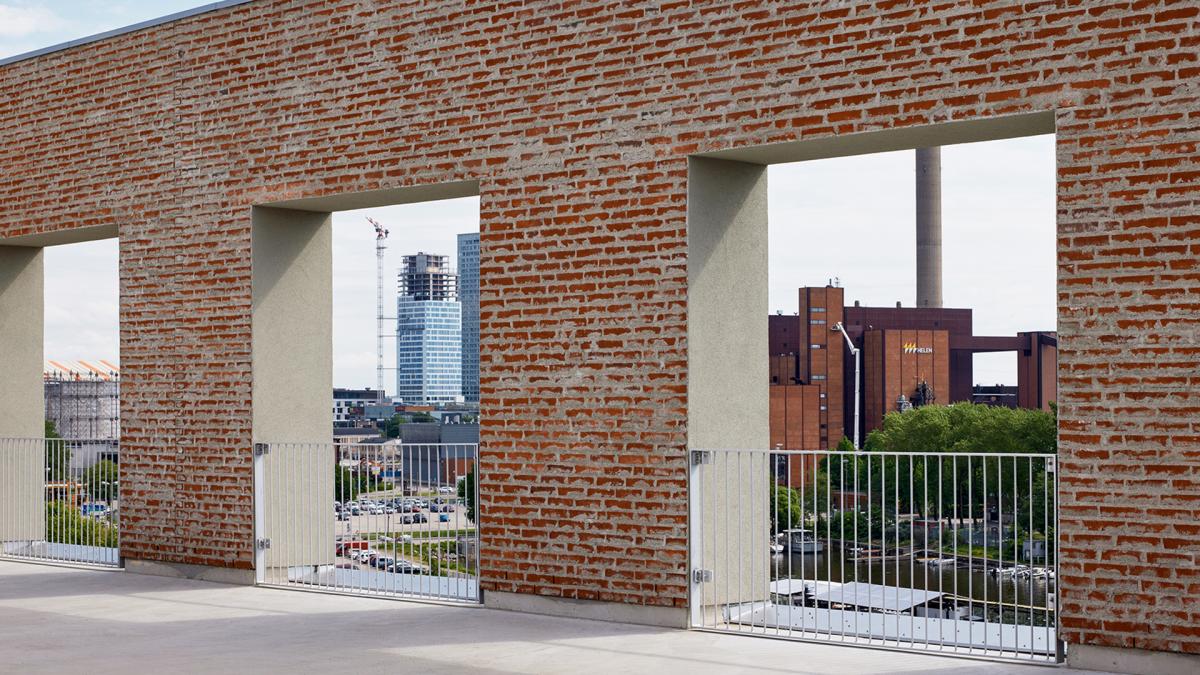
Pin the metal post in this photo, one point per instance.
(857, 362)
(260, 552)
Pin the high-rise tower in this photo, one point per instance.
(428, 331)
(468, 296)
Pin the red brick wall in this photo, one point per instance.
(577, 118)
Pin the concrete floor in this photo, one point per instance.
(67, 620)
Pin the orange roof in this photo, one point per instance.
(99, 369)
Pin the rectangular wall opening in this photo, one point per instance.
(895, 482)
(389, 448)
(60, 413)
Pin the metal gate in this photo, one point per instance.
(382, 519)
(59, 501)
(952, 553)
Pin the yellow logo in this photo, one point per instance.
(912, 348)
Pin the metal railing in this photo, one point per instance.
(954, 553)
(60, 501)
(384, 519)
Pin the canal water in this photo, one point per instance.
(906, 572)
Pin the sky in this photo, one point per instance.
(848, 218)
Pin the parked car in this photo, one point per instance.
(446, 490)
(415, 517)
(404, 567)
(382, 562)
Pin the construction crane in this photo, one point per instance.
(381, 236)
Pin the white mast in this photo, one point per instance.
(381, 236)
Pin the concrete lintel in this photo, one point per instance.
(1132, 661)
(220, 575)
(643, 615)
(890, 140)
(409, 194)
(59, 237)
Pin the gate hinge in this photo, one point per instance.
(1051, 465)
(701, 457)
(700, 576)
(261, 449)
(263, 543)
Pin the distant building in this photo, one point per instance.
(428, 332)
(911, 363)
(354, 408)
(468, 296)
(82, 398)
(910, 357)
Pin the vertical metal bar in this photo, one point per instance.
(956, 541)
(856, 548)
(741, 554)
(1051, 578)
(1059, 647)
(708, 493)
(789, 535)
(829, 545)
(1000, 548)
(912, 537)
(896, 551)
(1029, 538)
(925, 535)
(870, 542)
(725, 516)
(1016, 556)
(970, 552)
(940, 574)
(987, 558)
(260, 554)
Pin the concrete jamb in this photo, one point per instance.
(728, 404)
(293, 375)
(22, 414)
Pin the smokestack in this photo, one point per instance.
(929, 227)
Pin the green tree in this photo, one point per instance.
(66, 525)
(946, 477)
(393, 426)
(466, 492)
(423, 417)
(346, 484)
(788, 513)
(58, 455)
(100, 481)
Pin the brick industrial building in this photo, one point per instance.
(906, 352)
(616, 149)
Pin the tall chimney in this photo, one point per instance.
(929, 227)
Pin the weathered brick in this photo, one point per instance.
(576, 119)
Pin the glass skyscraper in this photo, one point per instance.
(468, 295)
(428, 332)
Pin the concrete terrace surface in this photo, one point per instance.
(55, 619)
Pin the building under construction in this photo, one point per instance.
(83, 399)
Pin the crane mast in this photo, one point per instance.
(381, 236)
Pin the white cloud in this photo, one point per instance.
(19, 21)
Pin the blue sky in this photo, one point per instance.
(850, 218)
(26, 25)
